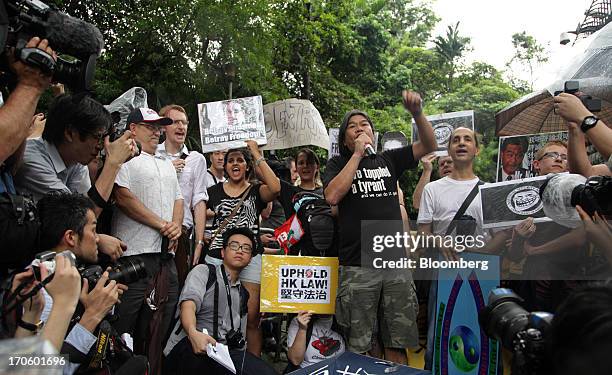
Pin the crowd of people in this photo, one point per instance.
(144, 261)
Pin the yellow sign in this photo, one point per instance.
(295, 283)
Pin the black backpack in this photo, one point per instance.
(317, 221)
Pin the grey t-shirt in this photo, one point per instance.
(195, 290)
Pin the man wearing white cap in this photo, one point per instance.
(149, 210)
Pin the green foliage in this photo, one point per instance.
(341, 54)
(529, 53)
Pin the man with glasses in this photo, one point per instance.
(191, 170)
(511, 154)
(75, 133)
(221, 295)
(553, 253)
(148, 217)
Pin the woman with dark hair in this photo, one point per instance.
(237, 202)
(307, 164)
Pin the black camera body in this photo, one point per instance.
(594, 195)
(77, 43)
(234, 339)
(522, 332)
(572, 87)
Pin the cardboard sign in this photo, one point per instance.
(295, 283)
(443, 125)
(507, 203)
(460, 344)
(294, 123)
(393, 140)
(519, 153)
(229, 123)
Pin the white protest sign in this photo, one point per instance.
(293, 123)
(229, 123)
(443, 125)
(304, 284)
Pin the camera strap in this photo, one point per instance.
(466, 203)
(229, 298)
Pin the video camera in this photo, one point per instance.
(77, 43)
(572, 87)
(522, 332)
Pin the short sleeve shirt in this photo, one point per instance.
(324, 343)
(372, 196)
(44, 171)
(153, 182)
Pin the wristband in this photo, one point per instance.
(258, 161)
(97, 198)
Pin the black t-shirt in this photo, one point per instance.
(372, 196)
(222, 204)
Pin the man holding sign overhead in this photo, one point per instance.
(365, 188)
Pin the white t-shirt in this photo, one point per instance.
(154, 183)
(324, 343)
(442, 199)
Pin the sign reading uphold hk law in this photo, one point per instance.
(294, 123)
(291, 284)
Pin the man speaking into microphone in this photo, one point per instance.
(365, 188)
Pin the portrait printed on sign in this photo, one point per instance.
(228, 123)
(443, 125)
(517, 153)
(507, 203)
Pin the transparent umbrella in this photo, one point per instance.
(592, 68)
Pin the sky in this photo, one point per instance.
(490, 24)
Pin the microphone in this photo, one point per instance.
(73, 36)
(369, 151)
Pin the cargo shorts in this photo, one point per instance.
(368, 297)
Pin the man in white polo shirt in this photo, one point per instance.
(148, 218)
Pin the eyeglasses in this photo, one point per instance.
(152, 128)
(177, 122)
(554, 155)
(236, 246)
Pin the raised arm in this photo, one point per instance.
(271, 184)
(427, 140)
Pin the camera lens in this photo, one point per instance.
(504, 317)
(128, 270)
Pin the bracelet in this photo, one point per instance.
(258, 161)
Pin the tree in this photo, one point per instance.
(527, 53)
(451, 47)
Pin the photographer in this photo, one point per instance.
(75, 132)
(68, 222)
(582, 122)
(207, 296)
(16, 113)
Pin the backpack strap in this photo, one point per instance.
(212, 279)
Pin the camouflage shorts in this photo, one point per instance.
(366, 298)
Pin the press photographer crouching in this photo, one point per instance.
(213, 309)
(68, 223)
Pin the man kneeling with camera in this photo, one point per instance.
(213, 309)
(68, 223)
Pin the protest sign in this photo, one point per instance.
(517, 153)
(334, 148)
(507, 203)
(443, 125)
(229, 123)
(293, 123)
(460, 345)
(392, 140)
(292, 284)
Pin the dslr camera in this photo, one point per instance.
(77, 43)
(234, 339)
(522, 332)
(124, 271)
(572, 87)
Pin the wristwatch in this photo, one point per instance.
(588, 123)
(30, 326)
